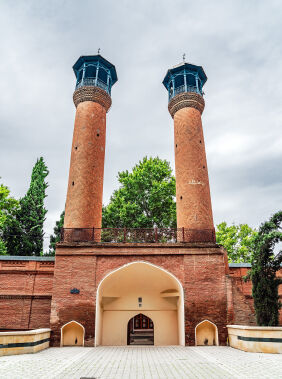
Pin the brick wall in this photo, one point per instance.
(26, 286)
(200, 269)
(25, 292)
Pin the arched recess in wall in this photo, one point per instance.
(139, 287)
(72, 334)
(206, 334)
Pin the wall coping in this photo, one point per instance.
(25, 332)
(247, 327)
(241, 264)
(25, 258)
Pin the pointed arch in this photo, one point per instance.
(177, 293)
(72, 334)
(206, 333)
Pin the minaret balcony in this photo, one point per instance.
(184, 78)
(182, 89)
(93, 82)
(94, 71)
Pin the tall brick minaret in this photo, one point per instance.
(92, 98)
(184, 83)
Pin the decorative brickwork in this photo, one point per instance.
(95, 94)
(186, 100)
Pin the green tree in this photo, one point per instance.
(238, 240)
(265, 264)
(8, 208)
(145, 199)
(24, 234)
(56, 236)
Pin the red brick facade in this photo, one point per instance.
(211, 290)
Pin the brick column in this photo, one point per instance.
(194, 210)
(86, 174)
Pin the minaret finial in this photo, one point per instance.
(183, 57)
(99, 50)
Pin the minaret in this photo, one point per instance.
(184, 83)
(95, 77)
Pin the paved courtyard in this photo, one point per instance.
(142, 362)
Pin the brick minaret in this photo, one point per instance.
(95, 77)
(186, 104)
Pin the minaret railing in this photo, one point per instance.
(93, 82)
(183, 88)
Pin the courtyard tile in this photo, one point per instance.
(141, 362)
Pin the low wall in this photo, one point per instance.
(25, 292)
(30, 341)
(256, 339)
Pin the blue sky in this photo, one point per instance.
(237, 42)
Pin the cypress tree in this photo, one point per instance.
(24, 234)
(56, 236)
(265, 264)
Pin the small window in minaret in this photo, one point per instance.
(75, 147)
(102, 75)
(72, 184)
(180, 197)
(98, 134)
(191, 81)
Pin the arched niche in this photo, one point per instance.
(206, 334)
(72, 334)
(139, 287)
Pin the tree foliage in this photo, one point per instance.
(8, 208)
(56, 236)
(23, 233)
(238, 240)
(265, 264)
(145, 199)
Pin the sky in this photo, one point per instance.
(238, 43)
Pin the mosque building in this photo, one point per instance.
(118, 286)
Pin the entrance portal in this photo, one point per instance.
(140, 331)
(134, 288)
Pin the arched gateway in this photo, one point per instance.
(139, 288)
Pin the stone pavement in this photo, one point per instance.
(141, 362)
